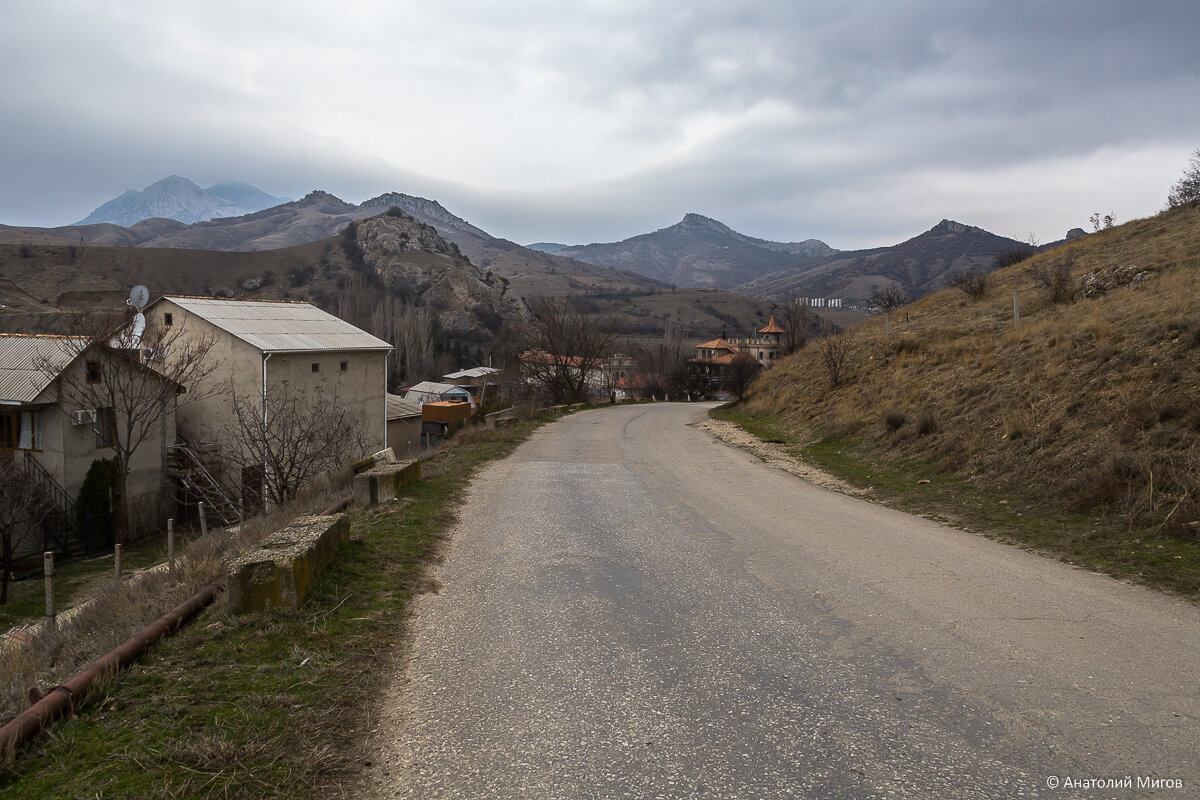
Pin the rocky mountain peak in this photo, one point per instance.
(693, 221)
(180, 199)
(951, 227)
(411, 258)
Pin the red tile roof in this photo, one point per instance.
(771, 327)
(717, 344)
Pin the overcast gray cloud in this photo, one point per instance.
(857, 123)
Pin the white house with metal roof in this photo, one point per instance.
(434, 392)
(54, 441)
(268, 347)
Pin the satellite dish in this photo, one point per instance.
(138, 298)
(130, 337)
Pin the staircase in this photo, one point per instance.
(187, 463)
(60, 530)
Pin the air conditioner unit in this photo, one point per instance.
(83, 417)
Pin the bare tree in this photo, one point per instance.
(796, 319)
(887, 298)
(133, 383)
(293, 438)
(663, 366)
(1056, 278)
(561, 351)
(395, 319)
(1187, 189)
(22, 510)
(972, 282)
(740, 372)
(836, 349)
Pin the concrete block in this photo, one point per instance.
(282, 569)
(383, 457)
(384, 483)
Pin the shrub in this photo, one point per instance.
(1187, 189)
(1013, 255)
(1056, 279)
(926, 423)
(974, 282)
(893, 419)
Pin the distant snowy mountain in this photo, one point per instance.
(181, 200)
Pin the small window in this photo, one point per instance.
(167, 320)
(10, 424)
(95, 372)
(345, 365)
(30, 431)
(316, 367)
(106, 427)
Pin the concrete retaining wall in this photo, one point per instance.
(383, 483)
(279, 573)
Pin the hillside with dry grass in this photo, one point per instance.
(1087, 410)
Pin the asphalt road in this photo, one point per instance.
(631, 608)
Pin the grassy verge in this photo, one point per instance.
(1104, 542)
(27, 598)
(271, 705)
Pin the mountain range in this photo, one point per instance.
(696, 252)
(919, 266)
(183, 201)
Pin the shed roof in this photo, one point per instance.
(398, 407)
(474, 372)
(433, 387)
(279, 327)
(29, 363)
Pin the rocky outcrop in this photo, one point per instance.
(1102, 280)
(412, 259)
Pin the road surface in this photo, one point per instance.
(631, 608)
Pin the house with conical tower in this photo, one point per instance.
(765, 346)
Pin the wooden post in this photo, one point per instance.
(48, 569)
(171, 548)
(203, 520)
(117, 561)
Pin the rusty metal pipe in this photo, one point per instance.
(61, 699)
(340, 505)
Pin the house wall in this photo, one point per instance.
(207, 417)
(404, 436)
(147, 485)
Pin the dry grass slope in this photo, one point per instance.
(1091, 406)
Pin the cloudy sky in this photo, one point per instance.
(858, 123)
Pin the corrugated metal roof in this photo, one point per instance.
(280, 327)
(433, 387)
(29, 363)
(474, 372)
(398, 407)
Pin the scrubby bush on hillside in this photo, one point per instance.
(1056, 278)
(973, 282)
(1187, 189)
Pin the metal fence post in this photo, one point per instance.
(203, 520)
(48, 569)
(171, 548)
(117, 561)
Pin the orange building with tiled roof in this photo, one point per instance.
(714, 356)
